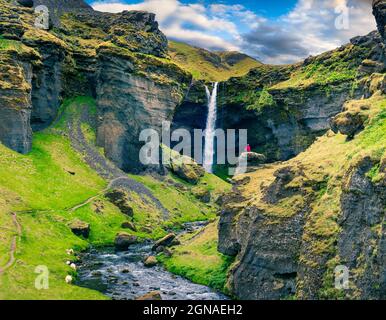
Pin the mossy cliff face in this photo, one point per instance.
(16, 65)
(120, 59)
(132, 98)
(290, 224)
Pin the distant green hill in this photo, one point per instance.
(211, 66)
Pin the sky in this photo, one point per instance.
(272, 31)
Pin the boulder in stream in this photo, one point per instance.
(153, 295)
(165, 241)
(124, 240)
(150, 261)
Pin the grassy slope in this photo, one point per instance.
(209, 66)
(40, 189)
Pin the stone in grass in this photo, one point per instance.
(153, 295)
(150, 261)
(80, 228)
(165, 241)
(120, 199)
(129, 225)
(124, 240)
(201, 194)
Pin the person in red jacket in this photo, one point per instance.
(248, 148)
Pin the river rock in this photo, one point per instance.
(154, 295)
(119, 198)
(165, 241)
(123, 240)
(80, 228)
(150, 261)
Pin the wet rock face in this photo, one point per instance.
(129, 101)
(15, 103)
(47, 87)
(362, 245)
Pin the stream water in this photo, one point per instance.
(123, 276)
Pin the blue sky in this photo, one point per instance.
(270, 8)
(273, 31)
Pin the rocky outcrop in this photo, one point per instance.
(120, 199)
(59, 7)
(379, 10)
(361, 245)
(352, 119)
(16, 72)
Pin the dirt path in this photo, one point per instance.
(13, 247)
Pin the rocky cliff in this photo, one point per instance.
(291, 224)
(120, 59)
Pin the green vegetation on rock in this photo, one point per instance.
(210, 66)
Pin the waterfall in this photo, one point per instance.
(210, 128)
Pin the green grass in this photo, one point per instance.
(43, 187)
(210, 66)
(329, 68)
(39, 188)
(197, 259)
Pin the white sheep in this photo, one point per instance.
(70, 251)
(68, 263)
(73, 266)
(68, 279)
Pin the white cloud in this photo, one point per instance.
(191, 23)
(308, 29)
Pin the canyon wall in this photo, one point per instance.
(290, 224)
(119, 59)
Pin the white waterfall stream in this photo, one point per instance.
(210, 128)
